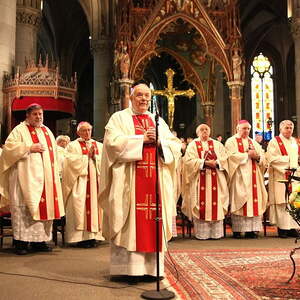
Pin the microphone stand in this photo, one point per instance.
(158, 293)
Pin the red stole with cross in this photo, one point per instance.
(88, 210)
(285, 153)
(210, 155)
(254, 181)
(45, 201)
(145, 196)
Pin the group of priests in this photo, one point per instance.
(109, 191)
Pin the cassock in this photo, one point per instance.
(31, 182)
(247, 192)
(80, 182)
(282, 153)
(127, 191)
(206, 195)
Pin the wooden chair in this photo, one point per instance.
(183, 221)
(5, 227)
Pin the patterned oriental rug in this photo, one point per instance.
(233, 274)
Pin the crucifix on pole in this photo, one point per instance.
(171, 93)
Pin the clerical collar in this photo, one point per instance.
(283, 137)
(27, 123)
(83, 140)
(138, 113)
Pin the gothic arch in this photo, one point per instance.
(145, 46)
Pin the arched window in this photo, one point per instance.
(262, 95)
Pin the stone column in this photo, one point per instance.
(102, 68)
(236, 95)
(7, 49)
(296, 35)
(28, 22)
(209, 111)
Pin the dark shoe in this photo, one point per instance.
(86, 244)
(251, 235)
(133, 280)
(150, 278)
(21, 247)
(40, 247)
(293, 233)
(237, 235)
(282, 233)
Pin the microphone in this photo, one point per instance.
(156, 108)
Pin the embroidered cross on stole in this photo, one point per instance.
(254, 180)
(88, 205)
(211, 155)
(145, 195)
(44, 201)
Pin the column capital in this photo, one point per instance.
(100, 46)
(295, 28)
(28, 16)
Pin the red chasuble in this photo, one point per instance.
(209, 155)
(145, 196)
(88, 211)
(44, 201)
(254, 183)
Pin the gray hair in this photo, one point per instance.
(62, 138)
(284, 122)
(198, 128)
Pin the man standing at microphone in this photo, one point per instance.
(127, 191)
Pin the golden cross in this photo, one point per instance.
(171, 93)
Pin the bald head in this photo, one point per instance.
(140, 98)
(203, 131)
(286, 128)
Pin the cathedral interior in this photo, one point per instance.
(238, 59)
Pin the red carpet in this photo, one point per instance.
(233, 274)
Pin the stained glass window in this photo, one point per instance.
(262, 94)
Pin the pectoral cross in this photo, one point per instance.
(171, 93)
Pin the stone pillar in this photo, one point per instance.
(28, 22)
(296, 35)
(209, 111)
(236, 95)
(102, 69)
(7, 49)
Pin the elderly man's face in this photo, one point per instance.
(62, 143)
(141, 99)
(203, 132)
(35, 118)
(244, 130)
(85, 132)
(287, 130)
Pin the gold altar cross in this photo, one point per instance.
(171, 93)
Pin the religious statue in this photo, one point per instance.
(237, 66)
(121, 61)
(124, 61)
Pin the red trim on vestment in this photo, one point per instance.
(254, 180)
(88, 203)
(285, 153)
(145, 192)
(210, 154)
(43, 200)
